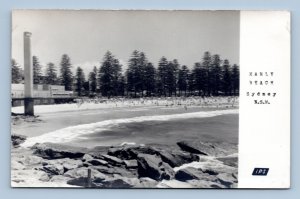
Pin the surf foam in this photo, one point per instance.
(70, 133)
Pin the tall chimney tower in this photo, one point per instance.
(28, 76)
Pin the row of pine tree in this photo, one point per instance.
(209, 77)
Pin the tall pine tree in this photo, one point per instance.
(93, 80)
(235, 79)
(51, 74)
(162, 76)
(215, 75)
(183, 80)
(37, 70)
(16, 72)
(226, 78)
(80, 80)
(109, 75)
(66, 75)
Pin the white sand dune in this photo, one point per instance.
(70, 133)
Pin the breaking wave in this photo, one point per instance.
(70, 133)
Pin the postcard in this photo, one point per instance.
(150, 99)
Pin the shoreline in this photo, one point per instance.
(69, 134)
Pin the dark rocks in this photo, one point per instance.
(191, 173)
(97, 162)
(113, 183)
(197, 147)
(110, 171)
(54, 169)
(137, 166)
(57, 151)
(16, 140)
(205, 148)
(83, 172)
(129, 152)
(206, 178)
(174, 158)
(112, 160)
(188, 174)
(152, 166)
(227, 179)
(177, 158)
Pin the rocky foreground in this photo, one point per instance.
(193, 164)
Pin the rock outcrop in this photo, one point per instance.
(134, 166)
(57, 151)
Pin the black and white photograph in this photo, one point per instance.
(125, 98)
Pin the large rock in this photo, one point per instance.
(32, 160)
(56, 151)
(112, 183)
(177, 158)
(191, 173)
(174, 158)
(131, 164)
(113, 160)
(227, 179)
(208, 148)
(110, 171)
(54, 169)
(197, 147)
(67, 163)
(152, 166)
(70, 164)
(97, 162)
(16, 140)
(83, 172)
(131, 152)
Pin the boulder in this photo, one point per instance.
(87, 157)
(110, 171)
(227, 179)
(174, 158)
(113, 160)
(197, 147)
(191, 173)
(83, 172)
(57, 151)
(16, 140)
(152, 166)
(54, 169)
(131, 164)
(188, 173)
(44, 177)
(147, 183)
(131, 152)
(33, 160)
(113, 183)
(70, 164)
(97, 162)
(177, 158)
(208, 148)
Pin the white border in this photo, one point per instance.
(264, 130)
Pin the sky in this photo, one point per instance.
(85, 35)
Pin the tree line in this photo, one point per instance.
(209, 77)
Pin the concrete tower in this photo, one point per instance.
(28, 76)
